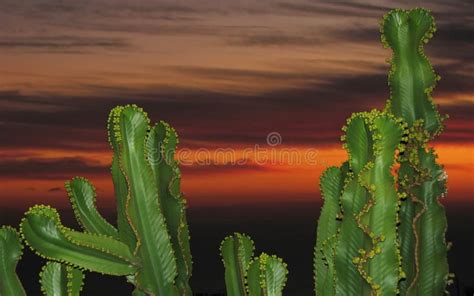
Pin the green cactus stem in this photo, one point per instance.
(160, 146)
(262, 276)
(411, 77)
(266, 276)
(61, 280)
(332, 183)
(237, 252)
(82, 197)
(126, 233)
(158, 269)
(360, 254)
(11, 251)
(42, 230)
(423, 219)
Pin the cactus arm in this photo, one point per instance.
(42, 230)
(431, 226)
(11, 251)
(236, 251)
(380, 263)
(83, 198)
(332, 182)
(126, 233)
(161, 146)
(60, 280)
(411, 77)
(266, 276)
(158, 265)
(351, 237)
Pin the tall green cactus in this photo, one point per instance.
(360, 254)
(411, 81)
(151, 243)
(261, 276)
(371, 238)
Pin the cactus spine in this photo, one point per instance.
(264, 275)
(150, 246)
(387, 235)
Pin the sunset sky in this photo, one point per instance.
(225, 74)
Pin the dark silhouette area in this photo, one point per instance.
(287, 230)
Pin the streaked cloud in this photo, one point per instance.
(62, 43)
(45, 168)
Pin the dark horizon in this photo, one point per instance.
(287, 230)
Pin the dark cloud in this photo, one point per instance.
(55, 189)
(278, 39)
(62, 43)
(55, 168)
(312, 114)
(334, 8)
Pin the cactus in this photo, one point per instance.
(420, 178)
(150, 245)
(11, 251)
(332, 182)
(244, 276)
(360, 254)
(378, 235)
(379, 232)
(60, 280)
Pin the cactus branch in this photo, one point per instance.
(42, 230)
(266, 276)
(11, 251)
(60, 280)
(143, 210)
(236, 251)
(82, 197)
(161, 145)
(332, 182)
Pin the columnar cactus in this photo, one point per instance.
(378, 235)
(151, 243)
(264, 275)
(420, 178)
(11, 251)
(359, 255)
